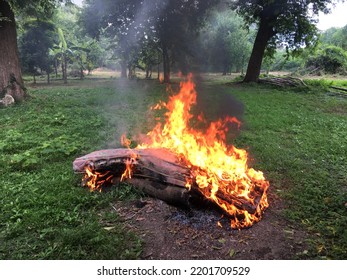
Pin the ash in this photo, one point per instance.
(198, 218)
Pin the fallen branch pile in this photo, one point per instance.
(283, 81)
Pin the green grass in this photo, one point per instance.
(44, 212)
(298, 139)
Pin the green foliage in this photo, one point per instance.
(226, 45)
(281, 62)
(285, 23)
(335, 36)
(330, 59)
(167, 27)
(34, 45)
(293, 21)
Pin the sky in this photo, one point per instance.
(338, 17)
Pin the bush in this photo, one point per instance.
(331, 60)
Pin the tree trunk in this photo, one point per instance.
(123, 65)
(64, 68)
(265, 32)
(48, 78)
(34, 76)
(11, 81)
(81, 73)
(225, 68)
(166, 64)
(56, 68)
(158, 66)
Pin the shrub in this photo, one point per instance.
(331, 60)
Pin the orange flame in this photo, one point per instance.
(129, 162)
(221, 172)
(95, 180)
(127, 172)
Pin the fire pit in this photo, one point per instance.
(178, 163)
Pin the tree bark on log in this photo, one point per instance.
(11, 81)
(157, 172)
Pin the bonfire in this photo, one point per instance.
(187, 160)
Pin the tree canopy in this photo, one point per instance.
(282, 22)
(11, 82)
(167, 25)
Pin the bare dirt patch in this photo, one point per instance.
(169, 232)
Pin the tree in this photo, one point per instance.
(225, 43)
(176, 23)
(62, 53)
(335, 36)
(94, 56)
(116, 20)
(167, 26)
(330, 59)
(287, 22)
(34, 46)
(11, 81)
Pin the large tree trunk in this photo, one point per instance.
(265, 32)
(11, 81)
(166, 64)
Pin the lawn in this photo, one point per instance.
(298, 138)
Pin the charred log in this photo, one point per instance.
(157, 172)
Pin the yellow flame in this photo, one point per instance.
(215, 166)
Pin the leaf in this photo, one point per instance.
(109, 228)
(232, 252)
(62, 39)
(288, 231)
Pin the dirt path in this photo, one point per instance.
(169, 232)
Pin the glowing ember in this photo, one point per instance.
(215, 167)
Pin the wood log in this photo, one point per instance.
(339, 88)
(157, 172)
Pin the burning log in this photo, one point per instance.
(178, 163)
(157, 172)
(154, 171)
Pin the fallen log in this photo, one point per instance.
(157, 172)
(339, 88)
